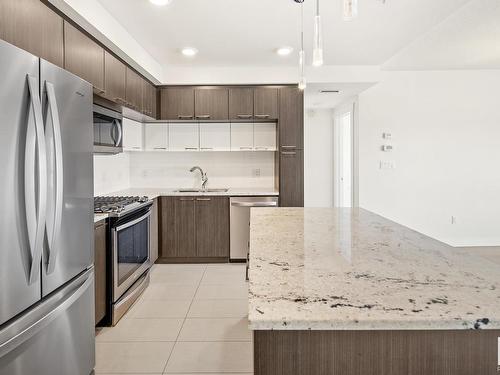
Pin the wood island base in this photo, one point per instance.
(432, 352)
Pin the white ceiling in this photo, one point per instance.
(247, 32)
(468, 39)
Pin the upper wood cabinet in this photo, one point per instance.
(84, 57)
(211, 103)
(241, 103)
(177, 103)
(133, 91)
(148, 99)
(265, 103)
(32, 26)
(291, 132)
(115, 77)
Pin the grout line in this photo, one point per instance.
(184, 321)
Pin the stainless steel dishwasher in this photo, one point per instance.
(240, 223)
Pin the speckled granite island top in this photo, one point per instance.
(349, 269)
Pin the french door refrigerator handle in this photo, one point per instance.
(35, 151)
(54, 132)
(14, 341)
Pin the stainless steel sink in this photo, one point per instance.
(201, 190)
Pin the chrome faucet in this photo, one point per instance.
(204, 178)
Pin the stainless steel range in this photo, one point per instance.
(129, 258)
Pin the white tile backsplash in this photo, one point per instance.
(171, 170)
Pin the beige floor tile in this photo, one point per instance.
(137, 357)
(219, 329)
(221, 308)
(160, 291)
(211, 357)
(227, 291)
(141, 330)
(159, 309)
(178, 277)
(219, 275)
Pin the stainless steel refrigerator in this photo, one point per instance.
(46, 222)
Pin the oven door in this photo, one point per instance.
(131, 250)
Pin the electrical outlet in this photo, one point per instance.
(256, 172)
(453, 220)
(387, 164)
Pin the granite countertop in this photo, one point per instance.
(349, 269)
(153, 193)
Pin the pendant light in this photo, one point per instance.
(350, 9)
(318, 39)
(302, 54)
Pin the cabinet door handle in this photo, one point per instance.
(185, 117)
(262, 116)
(288, 153)
(203, 116)
(246, 148)
(191, 148)
(288, 146)
(159, 148)
(204, 199)
(244, 116)
(207, 148)
(186, 199)
(261, 148)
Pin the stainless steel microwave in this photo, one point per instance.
(108, 131)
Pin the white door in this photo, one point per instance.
(183, 137)
(264, 136)
(156, 136)
(242, 136)
(132, 135)
(215, 137)
(343, 143)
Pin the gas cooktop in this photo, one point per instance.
(118, 205)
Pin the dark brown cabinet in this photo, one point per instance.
(266, 103)
(291, 108)
(212, 227)
(241, 103)
(133, 90)
(84, 57)
(211, 103)
(153, 233)
(291, 178)
(194, 229)
(32, 26)
(100, 270)
(115, 77)
(177, 103)
(148, 99)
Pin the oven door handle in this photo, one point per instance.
(133, 222)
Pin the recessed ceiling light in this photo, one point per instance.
(284, 51)
(160, 2)
(189, 51)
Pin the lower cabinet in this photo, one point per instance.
(153, 233)
(100, 270)
(194, 229)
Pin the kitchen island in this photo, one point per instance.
(345, 291)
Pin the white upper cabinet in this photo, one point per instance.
(183, 137)
(156, 136)
(242, 136)
(215, 137)
(264, 136)
(132, 135)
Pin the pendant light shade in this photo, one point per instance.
(318, 39)
(350, 9)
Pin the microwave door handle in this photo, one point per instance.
(117, 124)
(35, 143)
(54, 139)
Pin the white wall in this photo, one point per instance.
(446, 138)
(318, 158)
(224, 169)
(111, 173)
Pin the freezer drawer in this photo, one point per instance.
(55, 336)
